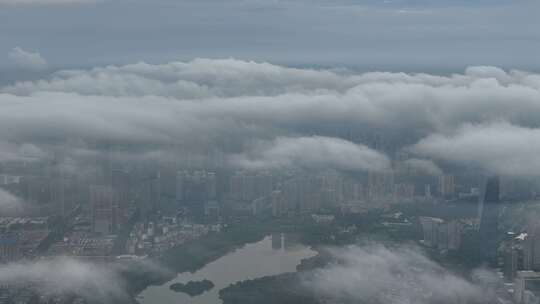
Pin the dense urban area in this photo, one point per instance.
(131, 213)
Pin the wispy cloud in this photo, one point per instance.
(26, 59)
(94, 282)
(311, 152)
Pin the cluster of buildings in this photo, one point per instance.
(154, 238)
(122, 207)
(521, 264)
(129, 199)
(441, 234)
(20, 237)
(517, 253)
(81, 242)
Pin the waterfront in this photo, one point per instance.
(270, 256)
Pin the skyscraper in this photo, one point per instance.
(489, 213)
(446, 185)
(103, 209)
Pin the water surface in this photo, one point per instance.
(273, 255)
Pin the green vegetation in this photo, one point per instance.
(285, 288)
(193, 255)
(281, 289)
(193, 288)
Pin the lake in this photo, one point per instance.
(273, 255)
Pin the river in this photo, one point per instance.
(273, 255)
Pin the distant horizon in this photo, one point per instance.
(12, 74)
(388, 35)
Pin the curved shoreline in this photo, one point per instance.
(194, 255)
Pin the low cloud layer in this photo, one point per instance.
(20, 152)
(423, 166)
(499, 148)
(236, 107)
(26, 59)
(311, 152)
(379, 274)
(98, 283)
(64, 275)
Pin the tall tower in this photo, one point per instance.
(489, 213)
(103, 209)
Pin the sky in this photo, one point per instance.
(404, 35)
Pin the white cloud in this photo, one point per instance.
(98, 283)
(424, 166)
(311, 152)
(497, 147)
(379, 274)
(9, 203)
(26, 59)
(20, 152)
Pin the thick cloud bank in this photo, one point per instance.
(237, 107)
(377, 274)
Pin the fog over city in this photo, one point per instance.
(269, 151)
(69, 276)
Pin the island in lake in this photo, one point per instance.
(193, 288)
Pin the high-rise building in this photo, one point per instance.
(9, 248)
(404, 191)
(455, 231)
(489, 214)
(244, 186)
(195, 188)
(353, 190)
(149, 195)
(430, 229)
(527, 287)
(212, 210)
(277, 200)
(168, 176)
(440, 234)
(447, 185)
(103, 209)
(427, 191)
(380, 185)
(58, 195)
(277, 241)
(121, 184)
(511, 254)
(531, 248)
